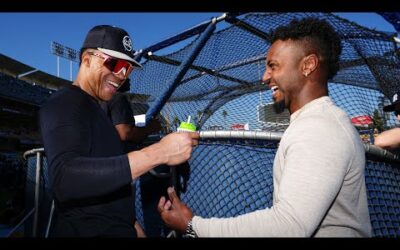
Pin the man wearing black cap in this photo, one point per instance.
(90, 174)
(120, 112)
(390, 139)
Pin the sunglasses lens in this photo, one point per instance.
(118, 65)
(110, 63)
(122, 66)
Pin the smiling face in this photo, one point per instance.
(100, 82)
(283, 73)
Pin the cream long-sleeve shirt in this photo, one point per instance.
(319, 182)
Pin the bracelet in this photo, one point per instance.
(190, 233)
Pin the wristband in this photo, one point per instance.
(190, 233)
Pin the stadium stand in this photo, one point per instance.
(22, 90)
(30, 75)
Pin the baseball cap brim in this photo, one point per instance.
(120, 55)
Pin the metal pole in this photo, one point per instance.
(259, 77)
(70, 70)
(234, 134)
(181, 71)
(138, 55)
(58, 66)
(31, 152)
(183, 35)
(37, 187)
(50, 219)
(20, 223)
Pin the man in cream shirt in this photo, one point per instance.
(318, 172)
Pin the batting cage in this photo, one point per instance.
(216, 80)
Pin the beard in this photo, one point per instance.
(279, 106)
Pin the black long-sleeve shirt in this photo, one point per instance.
(89, 172)
(119, 110)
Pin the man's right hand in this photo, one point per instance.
(173, 149)
(179, 146)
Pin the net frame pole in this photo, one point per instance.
(183, 35)
(277, 136)
(232, 19)
(181, 71)
(37, 187)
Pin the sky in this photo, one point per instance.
(27, 37)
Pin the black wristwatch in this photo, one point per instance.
(190, 233)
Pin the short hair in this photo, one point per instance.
(80, 55)
(82, 51)
(317, 36)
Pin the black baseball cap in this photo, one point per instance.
(395, 103)
(112, 41)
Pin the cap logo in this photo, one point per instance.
(126, 41)
(395, 97)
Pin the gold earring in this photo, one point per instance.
(305, 74)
